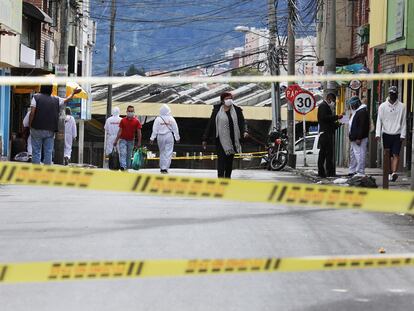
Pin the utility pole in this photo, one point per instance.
(330, 57)
(330, 46)
(111, 57)
(63, 60)
(273, 60)
(412, 159)
(291, 72)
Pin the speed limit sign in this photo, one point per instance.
(304, 102)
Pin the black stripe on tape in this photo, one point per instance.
(276, 264)
(282, 194)
(146, 182)
(3, 171)
(139, 269)
(3, 273)
(272, 193)
(131, 268)
(136, 184)
(11, 174)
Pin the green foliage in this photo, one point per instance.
(132, 70)
(247, 71)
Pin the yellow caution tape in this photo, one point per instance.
(288, 194)
(128, 269)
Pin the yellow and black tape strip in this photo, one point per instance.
(290, 194)
(128, 269)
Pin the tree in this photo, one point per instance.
(247, 71)
(132, 70)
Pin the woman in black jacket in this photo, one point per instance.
(228, 125)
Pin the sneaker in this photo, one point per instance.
(65, 161)
(351, 174)
(164, 172)
(394, 176)
(389, 177)
(122, 168)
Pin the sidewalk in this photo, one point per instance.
(311, 173)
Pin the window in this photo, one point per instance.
(309, 144)
(53, 12)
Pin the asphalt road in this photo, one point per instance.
(45, 224)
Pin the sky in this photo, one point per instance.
(171, 34)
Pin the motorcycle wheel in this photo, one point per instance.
(278, 162)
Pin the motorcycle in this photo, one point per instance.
(277, 154)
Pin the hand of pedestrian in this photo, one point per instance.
(358, 142)
(402, 139)
(178, 141)
(246, 135)
(377, 138)
(151, 142)
(204, 144)
(77, 90)
(340, 116)
(115, 142)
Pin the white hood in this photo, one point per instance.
(165, 110)
(115, 111)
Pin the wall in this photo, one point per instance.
(378, 23)
(396, 42)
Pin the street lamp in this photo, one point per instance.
(273, 62)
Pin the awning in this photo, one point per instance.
(36, 13)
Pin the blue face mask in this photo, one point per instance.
(130, 114)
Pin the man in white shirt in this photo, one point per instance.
(391, 123)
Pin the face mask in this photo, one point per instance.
(393, 97)
(228, 102)
(130, 114)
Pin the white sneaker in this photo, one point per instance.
(394, 176)
(389, 177)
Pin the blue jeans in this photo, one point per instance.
(125, 153)
(42, 140)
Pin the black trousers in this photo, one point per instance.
(224, 163)
(326, 155)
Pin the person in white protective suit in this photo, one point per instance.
(165, 130)
(70, 135)
(111, 130)
(26, 120)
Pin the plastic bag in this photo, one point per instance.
(138, 159)
(22, 157)
(113, 162)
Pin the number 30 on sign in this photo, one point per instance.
(304, 102)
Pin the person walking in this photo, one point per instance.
(391, 123)
(359, 124)
(111, 130)
(70, 135)
(228, 125)
(129, 131)
(26, 125)
(165, 130)
(327, 125)
(43, 121)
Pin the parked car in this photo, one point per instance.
(312, 150)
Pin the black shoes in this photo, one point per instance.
(65, 161)
(164, 171)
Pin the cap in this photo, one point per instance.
(393, 89)
(354, 100)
